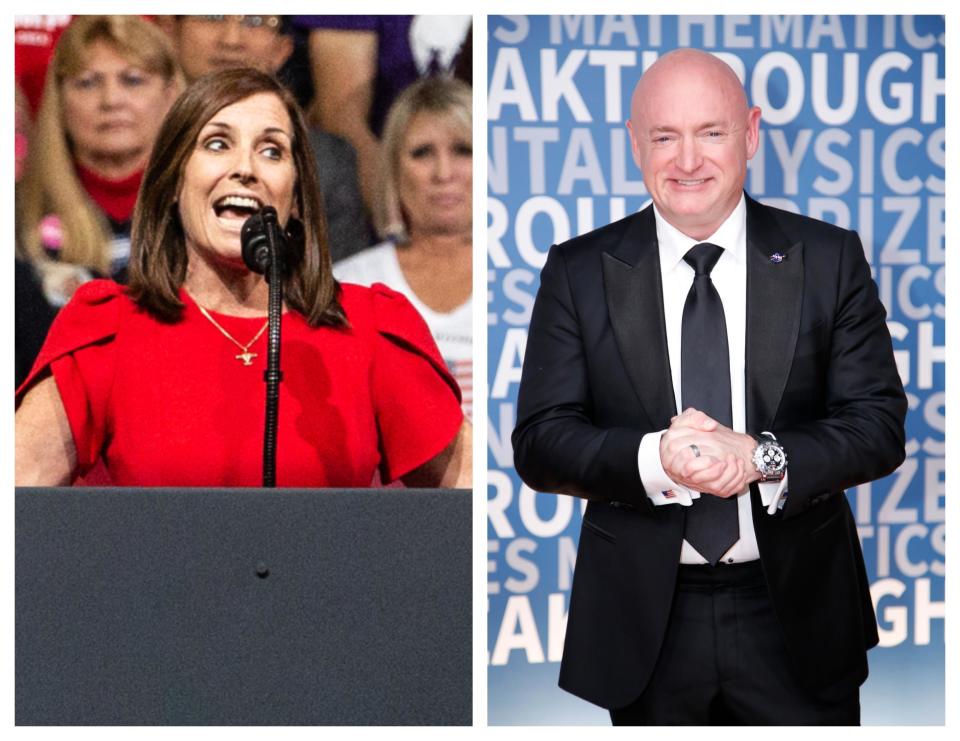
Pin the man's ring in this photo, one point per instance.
(696, 450)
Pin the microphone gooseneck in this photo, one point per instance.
(263, 245)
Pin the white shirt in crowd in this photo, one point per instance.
(452, 331)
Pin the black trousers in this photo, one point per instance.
(724, 660)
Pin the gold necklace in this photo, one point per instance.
(245, 356)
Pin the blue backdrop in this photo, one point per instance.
(852, 133)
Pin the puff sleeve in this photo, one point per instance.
(79, 351)
(416, 399)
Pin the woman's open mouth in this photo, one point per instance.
(234, 209)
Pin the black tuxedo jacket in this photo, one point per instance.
(820, 375)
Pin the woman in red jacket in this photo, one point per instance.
(163, 381)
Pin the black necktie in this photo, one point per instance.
(711, 523)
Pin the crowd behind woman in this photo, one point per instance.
(110, 83)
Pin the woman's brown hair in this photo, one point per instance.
(158, 259)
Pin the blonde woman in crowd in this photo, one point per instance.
(110, 83)
(425, 216)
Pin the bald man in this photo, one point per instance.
(711, 374)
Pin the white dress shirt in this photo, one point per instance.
(729, 276)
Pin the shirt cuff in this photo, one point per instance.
(773, 494)
(659, 488)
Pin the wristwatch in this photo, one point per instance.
(769, 457)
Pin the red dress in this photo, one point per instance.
(170, 405)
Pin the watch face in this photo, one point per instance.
(772, 457)
(769, 459)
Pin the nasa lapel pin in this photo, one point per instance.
(777, 257)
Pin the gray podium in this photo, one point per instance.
(243, 607)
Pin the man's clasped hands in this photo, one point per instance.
(703, 455)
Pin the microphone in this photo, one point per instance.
(263, 229)
(274, 252)
(255, 241)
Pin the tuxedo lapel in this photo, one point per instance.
(631, 276)
(774, 301)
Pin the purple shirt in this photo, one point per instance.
(408, 47)
(396, 67)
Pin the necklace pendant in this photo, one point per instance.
(246, 357)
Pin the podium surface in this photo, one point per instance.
(243, 607)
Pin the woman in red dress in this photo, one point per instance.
(164, 381)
